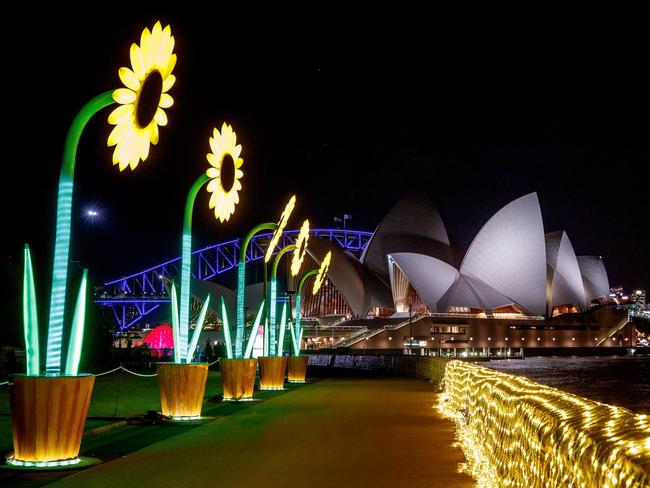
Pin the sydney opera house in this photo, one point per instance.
(516, 287)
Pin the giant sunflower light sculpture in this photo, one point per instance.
(182, 383)
(130, 139)
(299, 250)
(241, 268)
(222, 144)
(321, 273)
(144, 98)
(55, 439)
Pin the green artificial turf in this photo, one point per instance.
(116, 395)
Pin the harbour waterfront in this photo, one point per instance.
(617, 380)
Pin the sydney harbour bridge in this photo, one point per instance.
(131, 298)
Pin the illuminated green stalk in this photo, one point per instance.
(265, 338)
(77, 330)
(175, 329)
(298, 331)
(272, 324)
(293, 342)
(30, 317)
(254, 331)
(274, 291)
(296, 326)
(186, 262)
(197, 331)
(63, 230)
(226, 329)
(241, 284)
(283, 325)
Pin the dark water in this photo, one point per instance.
(620, 381)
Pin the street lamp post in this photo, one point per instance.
(411, 327)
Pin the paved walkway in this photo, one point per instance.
(362, 432)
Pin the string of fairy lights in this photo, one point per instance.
(518, 433)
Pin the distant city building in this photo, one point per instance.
(616, 293)
(638, 299)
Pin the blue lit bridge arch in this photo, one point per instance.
(133, 297)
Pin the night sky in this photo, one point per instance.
(351, 114)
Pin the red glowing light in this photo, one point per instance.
(162, 337)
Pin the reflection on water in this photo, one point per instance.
(617, 380)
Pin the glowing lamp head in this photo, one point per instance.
(144, 98)
(284, 219)
(301, 248)
(225, 172)
(322, 272)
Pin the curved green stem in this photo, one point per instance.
(274, 291)
(63, 225)
(241, 284)
(297, 335)
(186, 262)
(304, 277)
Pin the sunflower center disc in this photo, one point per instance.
(149, 99)
(227, 173)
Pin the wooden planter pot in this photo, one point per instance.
(182, 388)
(48, 415)
(272, 372)
(297, 370)
(238, 378)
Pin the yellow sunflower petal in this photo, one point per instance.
(226, 135)
(212, 159)
(168, 83)
(213, 197)
(134, 162)
(218, 199)
(144, 145)
(123, 96)
(160, 117)
(239, 173)
(236, 153)
(160, 46)
(129, 79)
(214, 185)
(153, 133)
(217, 147)
(237, 185)
(120, 113)
(166, 71)
(167, 43)
(156, 33)
(117, 133)
(146, 48)
(115, 161)
(124, 149)
(213, 173)
(235, 198)
(166, 101)
(136, 62)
